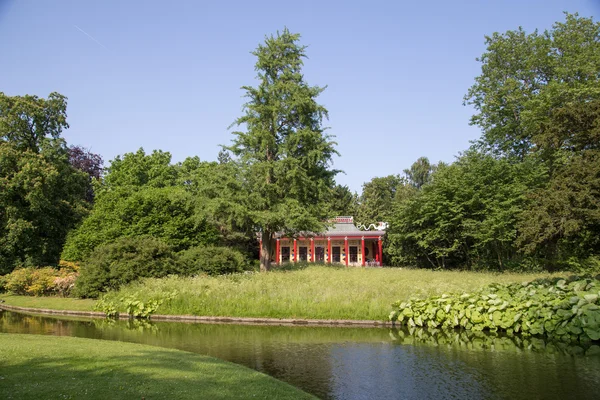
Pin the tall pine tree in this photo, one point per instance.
(284, 152)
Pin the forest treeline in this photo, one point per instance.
(525, 196)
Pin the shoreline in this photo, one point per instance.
(208, 319)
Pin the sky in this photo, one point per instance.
(168, 74)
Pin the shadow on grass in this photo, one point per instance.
(39, 369)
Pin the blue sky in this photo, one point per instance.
(167, 74)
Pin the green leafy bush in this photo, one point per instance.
(138, 309)
(212, 260)
(107, 307)
(561, 309)
(124, 261)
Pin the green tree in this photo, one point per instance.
(284, 154)
(343, 201)
(142, 195)
(377, 199)
(527, 76)
(465, 217)
(41, 199)
(420, 172)
(563, 217)
(41, 194)
(30, 122)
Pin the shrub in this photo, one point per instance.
(567, 310)
(124, 261)
(19, 280)
(42, 281)
(3, 281)
(39, 281)
(212, 260)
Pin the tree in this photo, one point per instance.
(89, 163)
(377, 199)
(29, 122)
(419, 172)
(527, 76)
(343, 201)
(142, 195)
(41, 195)
(41, 199)
(563, 217)
(224, 157)
(466, 216)
(284, 154)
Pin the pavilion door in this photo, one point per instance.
(335, 252)
(320, 254)
(353, 254)
(285, 254)
(303, 253)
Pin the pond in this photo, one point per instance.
(361, 363)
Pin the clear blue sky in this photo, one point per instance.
(167, 74)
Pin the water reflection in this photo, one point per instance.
(359, 363)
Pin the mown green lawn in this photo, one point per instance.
(53, 303)
(49, 367)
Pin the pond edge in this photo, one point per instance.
(208, 319)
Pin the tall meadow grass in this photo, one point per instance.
(315, 292)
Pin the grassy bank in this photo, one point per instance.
(314, 292)
(44, 367)
(53, 303)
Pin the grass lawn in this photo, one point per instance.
(44, 367)
(54, 303)
(315, 292)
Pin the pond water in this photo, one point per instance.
(362, 363)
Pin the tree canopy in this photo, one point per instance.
(284, 154)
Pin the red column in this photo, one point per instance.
(277, 252)
(295, 258)
(259, 249)
(380, 251)
(329, 250)
(312, 250)
(346, 249)
(362, 250)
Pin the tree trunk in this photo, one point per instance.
(265, 251)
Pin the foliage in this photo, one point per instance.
(563, 219)
(125, 260)
(40, 281)
(43, 195)
(497, 341)
(109, 308)
(42, 198)
(212, 260)
(420, 172)
(140, 309)
(89, 163)
(377, 199)
(143, 195)
(168, 214)
(220, 198)
(560, 309)
(525, 77)
(343, 201)
(31, 123)
(465, 217)
(284, 154)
